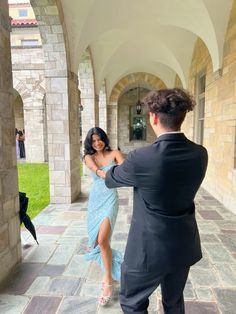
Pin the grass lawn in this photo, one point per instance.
(34, 181)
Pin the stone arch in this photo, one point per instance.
(62, 98)
(146, 80)
(18, 110)
(88, 97)
(32, 92)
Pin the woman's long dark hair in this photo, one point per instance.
(88, 149)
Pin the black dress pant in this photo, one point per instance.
(136, 287)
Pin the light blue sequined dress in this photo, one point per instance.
(102, 203)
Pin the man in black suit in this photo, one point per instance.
(163, 240)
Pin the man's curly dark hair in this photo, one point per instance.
(171, 105)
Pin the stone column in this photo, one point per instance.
(61, 104)
(89, 100)
(34, 117)
(112, 124)
(89, 119)
(63, 138)
(103, 109)
(10, 246)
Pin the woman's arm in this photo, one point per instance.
(118, 157)
(91, 164)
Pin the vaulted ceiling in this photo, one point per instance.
(155, 36)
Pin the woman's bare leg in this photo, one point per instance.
(103, 241)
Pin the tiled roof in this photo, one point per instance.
(23, 22)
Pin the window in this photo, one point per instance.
(29, 42)
(137, 125)
(200, 109)
(23, 13)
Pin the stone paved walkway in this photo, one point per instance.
(54, 277)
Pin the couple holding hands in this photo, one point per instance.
(163, 240)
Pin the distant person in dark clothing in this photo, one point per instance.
(17, 145)
(21, 144)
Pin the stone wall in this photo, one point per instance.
(220, 116)
(10, 246)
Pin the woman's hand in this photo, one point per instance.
(101, 173)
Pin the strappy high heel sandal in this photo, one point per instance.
(105, 299)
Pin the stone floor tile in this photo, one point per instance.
(69, 240)
(226, 274)
(47, 238)
(189, 293)
(111, 308)
(89, 289)
(210, 215)
(40, 254)
(20, 282)
(12, 304)
(217, 253)
(51, 229)
(209, 238)
(205, 294)
(75, 232)
(229, 232)
(78, 305)
(73, 215)
(204, 261)
(226, 225)
(229, 241)
(123, 201)
(226, 299)
(40, 304)
(43, 219)
(118, 245)
(78, 224)
(82, 247)
(203, 277)
(208, 227)
(201, 308)
(62, 255)
(94, 274)
(153, 303)
(39, 286)
(52, 270)
(120, 236)
(26, 248)
(63, 286)
(78, 267)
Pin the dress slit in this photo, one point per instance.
(102, 204)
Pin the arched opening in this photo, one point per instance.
(134, 130)
(18, 110)
(115, 113)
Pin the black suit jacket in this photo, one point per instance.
(166, 176)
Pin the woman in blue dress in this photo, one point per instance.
(102, 208)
